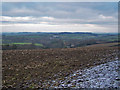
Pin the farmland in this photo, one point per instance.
(29, 40)
(35, 68)
(35, 60)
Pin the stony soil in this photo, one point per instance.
(38, 68)
(100, 76)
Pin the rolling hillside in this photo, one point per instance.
(39, 67)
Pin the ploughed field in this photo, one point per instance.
(38, 68)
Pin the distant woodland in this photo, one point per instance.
(29, 40)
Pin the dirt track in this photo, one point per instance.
(33, 68)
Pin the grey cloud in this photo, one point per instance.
(101, 19)
(57, 10)
(100, 15)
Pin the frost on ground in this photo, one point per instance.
(101, 76)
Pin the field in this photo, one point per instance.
(38, 40)
(35, 60)
(38, 68)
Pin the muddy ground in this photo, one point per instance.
(34, 68)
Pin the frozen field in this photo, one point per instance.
(71, 67)
(101, 76)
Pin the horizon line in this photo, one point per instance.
(60, 32)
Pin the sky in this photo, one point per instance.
(98, 17)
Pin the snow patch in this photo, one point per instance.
(101, 76)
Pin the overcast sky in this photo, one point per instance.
(60, 17)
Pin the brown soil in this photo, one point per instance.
(33, 68)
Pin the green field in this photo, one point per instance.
(54, 40)
(36, 44)
(21, 43)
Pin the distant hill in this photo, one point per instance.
(44, 40)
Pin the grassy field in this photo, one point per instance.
(54, 40)
(104, 45)
(36, 44)
(35, 68)
(21, 43)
